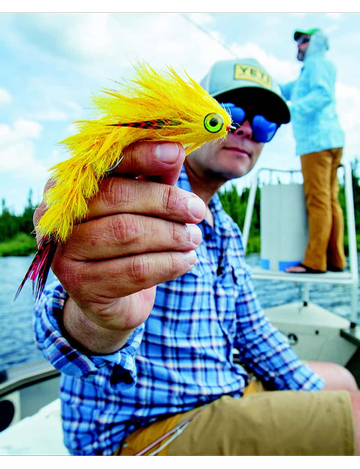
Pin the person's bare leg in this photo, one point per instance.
(296, 269)
(336, 376)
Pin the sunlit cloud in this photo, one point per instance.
(17, 148)
(282, 70)
(75, 55)
(200, 18)
(348, 105)
(51, 115)
(5, 96)
(273, 21)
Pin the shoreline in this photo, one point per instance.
(20, 245)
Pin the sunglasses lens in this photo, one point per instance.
(303, 40)
(237, 114)
(263, 129)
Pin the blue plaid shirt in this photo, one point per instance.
(182, 357)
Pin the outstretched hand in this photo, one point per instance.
(140, 231)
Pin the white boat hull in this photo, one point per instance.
(313, 332)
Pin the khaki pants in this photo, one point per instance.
(326, 221)
(279, 423)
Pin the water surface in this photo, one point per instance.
(17, 344)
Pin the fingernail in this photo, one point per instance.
(195, 233)
(190, 257)
(167, 152)
(196, 207)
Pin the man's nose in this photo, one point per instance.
(244, 130)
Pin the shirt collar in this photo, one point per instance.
(222, 222)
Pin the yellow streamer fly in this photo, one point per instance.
(158, 106)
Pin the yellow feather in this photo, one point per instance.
(179, 105)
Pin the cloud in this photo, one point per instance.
(103, 44)
(273, 21)
(99, 40)
(27, 129)
(51, 115)
(331, 29)
(282, 70)
(89, 50)
(5, 96)
(348, 105)
(17, 149)
(204, 19)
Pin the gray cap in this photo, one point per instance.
(246, 79)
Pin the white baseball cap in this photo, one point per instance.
(246, 79)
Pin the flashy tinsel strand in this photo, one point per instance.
(39, 268)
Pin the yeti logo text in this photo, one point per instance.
(249, 72)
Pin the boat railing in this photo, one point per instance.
(20, 377)
(348, 277)
(26, 389)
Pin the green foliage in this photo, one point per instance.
(16, 237)
(12, 227)
(235, 205)
(20, 245)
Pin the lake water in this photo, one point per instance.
(17, 345)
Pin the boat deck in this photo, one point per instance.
(344, 278)
(40, 434)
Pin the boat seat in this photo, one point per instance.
(38, 435)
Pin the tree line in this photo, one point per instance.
(234, 203)
(11, 225)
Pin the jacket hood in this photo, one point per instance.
(319, 44)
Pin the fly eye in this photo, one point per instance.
(213, 122)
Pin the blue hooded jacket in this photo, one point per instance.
(315, 122)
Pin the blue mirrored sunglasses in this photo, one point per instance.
(263, 130)
(303, 40)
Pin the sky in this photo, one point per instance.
(51, 63)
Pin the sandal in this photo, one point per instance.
(333, 268)
(308, 270)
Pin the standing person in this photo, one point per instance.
(319, 142)
(143, 333)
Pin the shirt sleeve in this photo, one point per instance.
(51, 340)
(286, 90)
(265, 351)
(320, 93)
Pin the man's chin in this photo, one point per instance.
(230, 174)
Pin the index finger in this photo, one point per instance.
(154, 160)
(160, 160)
